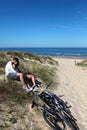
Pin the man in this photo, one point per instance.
(12, 73)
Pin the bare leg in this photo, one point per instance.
(20, 75)
(29, 76)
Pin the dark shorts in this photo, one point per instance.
(12, 76)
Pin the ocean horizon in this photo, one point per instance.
(75, 52)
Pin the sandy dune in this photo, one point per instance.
(73, 84)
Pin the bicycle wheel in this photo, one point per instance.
(56, 123)
(70, 121)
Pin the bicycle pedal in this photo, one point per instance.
(33, 104)
(69, 106)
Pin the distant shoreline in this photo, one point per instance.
(67, 52)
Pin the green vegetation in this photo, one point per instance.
(42, 66)
(83, 63)
(15, 104)
(13, 100)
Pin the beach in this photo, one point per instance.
(73, 85)
(71, 82)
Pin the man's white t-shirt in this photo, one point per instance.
(9, 68)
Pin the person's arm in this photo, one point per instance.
(18, 70)
(10, 68)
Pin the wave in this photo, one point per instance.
(73, 54)
(58, 53)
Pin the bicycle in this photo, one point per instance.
(60, 107)
(53, 119)
(54, 110)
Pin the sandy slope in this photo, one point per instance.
(73, 84)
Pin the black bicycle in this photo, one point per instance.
(60, 108)
(55, 111)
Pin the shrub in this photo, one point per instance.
(15, 104)
(2, 63)
(43, 66)
(83, 63)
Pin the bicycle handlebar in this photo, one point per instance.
(49, 84)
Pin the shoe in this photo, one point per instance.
(30, 89)
(27, 89)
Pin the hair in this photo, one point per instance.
(17, 60)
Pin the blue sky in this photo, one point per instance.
(43, 23)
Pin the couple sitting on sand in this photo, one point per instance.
(12, 71)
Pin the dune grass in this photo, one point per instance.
(44, 67)
(15, 104)
(82, 63)
(12, 101)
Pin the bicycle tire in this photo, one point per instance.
(74, 125)
(53, 122)
(70, 121)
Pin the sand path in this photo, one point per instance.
(73, 84)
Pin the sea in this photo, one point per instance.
(52, 51)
